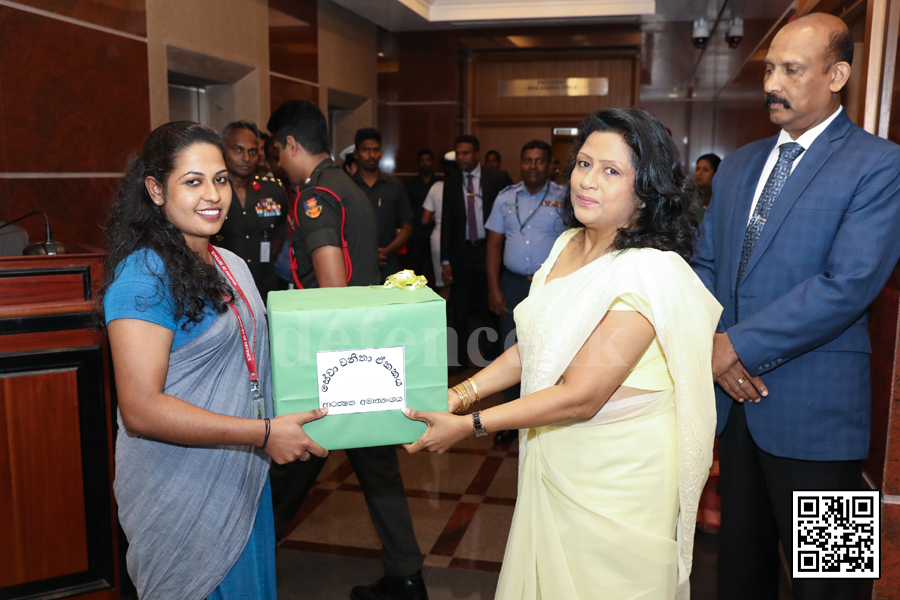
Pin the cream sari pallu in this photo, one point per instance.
(607, 507)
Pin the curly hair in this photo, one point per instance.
(136, 223)
(666, 222)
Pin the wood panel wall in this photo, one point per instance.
(488, 70)
(71, 111)
(505, 124)
(418, 96)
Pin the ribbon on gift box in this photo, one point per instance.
(405, 280)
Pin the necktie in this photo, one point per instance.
(470, 209)
(787, 154)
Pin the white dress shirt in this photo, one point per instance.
(479, 207)
(784, 137)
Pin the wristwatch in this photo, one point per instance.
(476, 423)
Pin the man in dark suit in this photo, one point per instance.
(799, 240)
(468, 198)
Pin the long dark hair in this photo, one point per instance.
(136, 223)
(665, 222)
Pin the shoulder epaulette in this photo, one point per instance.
(509, 187)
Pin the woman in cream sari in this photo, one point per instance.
(617, 413)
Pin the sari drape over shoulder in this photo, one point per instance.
(607, 507)
(188, 511)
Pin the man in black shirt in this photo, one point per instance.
(417, 190)
(328, 210)
(388, 198)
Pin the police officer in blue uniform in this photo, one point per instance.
(524, 223)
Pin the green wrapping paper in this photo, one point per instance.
(303, 323)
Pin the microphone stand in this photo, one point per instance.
(49, 247)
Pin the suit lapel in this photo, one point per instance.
(816, 156)
(740, 213)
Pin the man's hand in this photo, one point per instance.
(447, 275)
(497, 302)
(730, 373)
(382, 257)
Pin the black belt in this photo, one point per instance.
(476, 243)
(517, 276)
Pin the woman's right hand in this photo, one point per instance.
(287, 440)
(453, 401)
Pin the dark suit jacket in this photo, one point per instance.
(453, 217)
(799, 318)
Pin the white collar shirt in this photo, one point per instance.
(806, 140)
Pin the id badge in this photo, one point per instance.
(265, 250)
(256, 407)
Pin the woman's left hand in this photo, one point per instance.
(443, 430)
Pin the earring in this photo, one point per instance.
(643, 205)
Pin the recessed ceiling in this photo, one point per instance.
(672, 69)
(413, 15)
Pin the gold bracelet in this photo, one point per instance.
(475, 389)
(463, 397)
(467, 398)
(469, 401)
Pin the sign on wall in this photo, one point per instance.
(558, 86)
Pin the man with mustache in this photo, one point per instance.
(799, 244)
(256, 223)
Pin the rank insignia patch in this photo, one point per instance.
(267, 207)
(256, 186)
(312, 208)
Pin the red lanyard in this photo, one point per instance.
(249, 354)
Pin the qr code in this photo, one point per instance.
(836, 534)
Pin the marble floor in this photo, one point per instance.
(462, 504)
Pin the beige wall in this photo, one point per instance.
(236, 31)
(348, 67)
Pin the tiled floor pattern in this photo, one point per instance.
(461, 503)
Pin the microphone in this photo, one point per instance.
(49, 247)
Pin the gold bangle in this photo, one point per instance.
(463, 397)
(475, 389)
(467, 399)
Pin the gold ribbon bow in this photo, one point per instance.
(405, 280)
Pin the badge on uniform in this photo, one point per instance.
(312, 208)
(551, 203)
(267, 207)
(256, 186)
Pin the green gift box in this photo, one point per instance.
(365, 352)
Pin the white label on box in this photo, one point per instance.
(361, 381)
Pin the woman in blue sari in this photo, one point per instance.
(190, 349)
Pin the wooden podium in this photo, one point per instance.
(57, 512)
